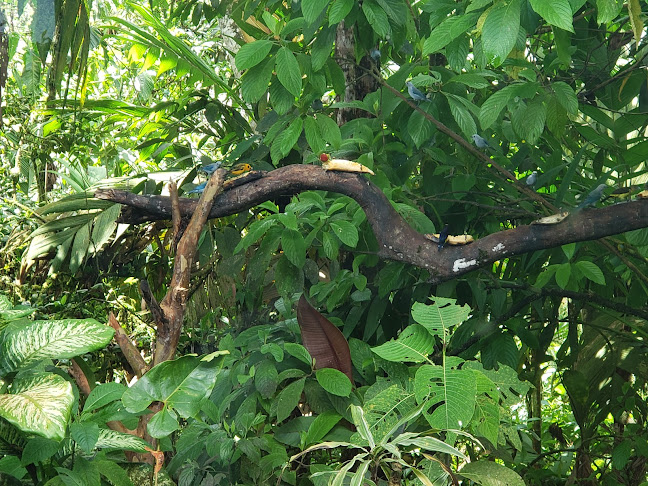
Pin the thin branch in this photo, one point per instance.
(131, 353)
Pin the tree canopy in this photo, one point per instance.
(514, 353)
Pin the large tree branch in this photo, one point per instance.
(397, 240)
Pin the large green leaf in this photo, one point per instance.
(249, 55)
(181, 384)
(414, 344)
(489, 473)
(450, 390)
(556, 12)
(440, 316)
(288, 71)
(500, 31)
(23, 344)
(40, 404)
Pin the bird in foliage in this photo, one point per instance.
(624, 192)
(480, 141)
(593, 197)
(415, 93)
(532, 179)
(443, 236)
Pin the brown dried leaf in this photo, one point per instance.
(323, 340)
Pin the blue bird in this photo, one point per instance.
(532, 179)
(443, 236)
(480, 142)
(375, 55)
(198, 189)
(415, 93)
(210, 168)
(593, 197)
(317, 105)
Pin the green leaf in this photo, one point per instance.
(181, 384)
(39, 404)
(26, 343)
(292, 243)
(111, 439)
(289, 136)
(555, 12)
(86, 434)
(300, 352)
(288, 71)
(493, 106)
(448, 30)
(376, 17)
(439, 317)
(414, 344)
(103, 394)
(563, 272)
(591, 271)
(461, 115)
(500, 30)
(113, 473)
(321, 426)
(607, 10)
(255, 81)
(489, 473)
(39, 449)
(419, 128)
(282, 101)
(313, 135)
(255, 232)
(566, 97)
(529, 120)
(329, 130)
(104, 226)
(330, 246)
(312, 9)
(163, 423)
(10, 465)
(322, 47)
(431, 444)
(266, 378)
(288, 399)
(361, 424)
(79, 247)
(334, 381)
(450, 391)
(339, 10)
(346, 231)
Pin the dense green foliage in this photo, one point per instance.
(123, 95)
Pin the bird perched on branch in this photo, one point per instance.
(198, 189)
(415, 93)
(532, 179)
(480, 141)
(593, 197)
(210, 168)
(443, 236)
(239, 169)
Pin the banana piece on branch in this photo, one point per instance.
(453, 240)
(553, 219)
(343, 165)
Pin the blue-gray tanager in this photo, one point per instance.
(480, 141)
(415, 93)
(375, 55)
(443, 236)
(199, 188)
(593, 197)
(532, 179)
(210, 168)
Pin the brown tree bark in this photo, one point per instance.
(396, 239)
